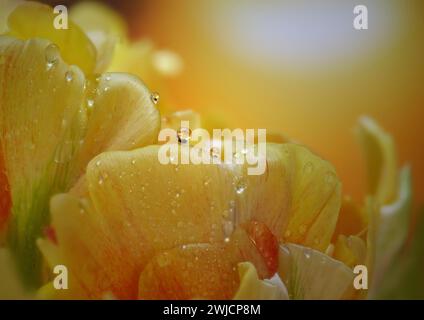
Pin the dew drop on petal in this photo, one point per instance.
(241, 187)
(155, 97)
(184, 135)
(90, 103)
(215, 152)
(51, 55)
(69, 76)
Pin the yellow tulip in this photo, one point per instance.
(54, 119)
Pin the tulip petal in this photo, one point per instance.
(173, 120)
(41, 124)
(350, 250)
(380, 155)
(7, 6)
(310, 274)
(201, 271)
(103, 26)
(389, 232)
(315, 197)
(252, 288)
(34, 20)
(51, 127)
(135, 208)
(353, 219)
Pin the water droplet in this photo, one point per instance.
(107, 78)
(228, 228)
(133, 161)
(69, 76)
(98, 163)
(227, 239)
(215, 152)
(241, 186)
(90, 103)
(100, 181)
(184, 135)
(106, 89)
(307, 254)
(155, 97)
(51, 55)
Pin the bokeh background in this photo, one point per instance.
(298, 67)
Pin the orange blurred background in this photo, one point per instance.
(299, 67)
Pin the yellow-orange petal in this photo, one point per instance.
(253, 288)
(353, 219)
(52, 126)
(350, 250)
(310, 274)
(103, 26)
(34, 20)
(7, 6)
(173, 120)
(380, 155)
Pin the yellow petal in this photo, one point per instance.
(350, 250)
(380, 155)
(7, 6)
(103, 26)
(95, 16)
(252, 288)
(122, 116)
(173, 120)
(353, 219)
(315, 193)
(389, 231)
(198, 271)
(133, 207)
(35, 20)
(53, 121)
(41, 121)
(137, 58)
(310, 274)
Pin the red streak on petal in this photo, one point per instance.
(265, 242)
(50, 233)
(5, 198)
